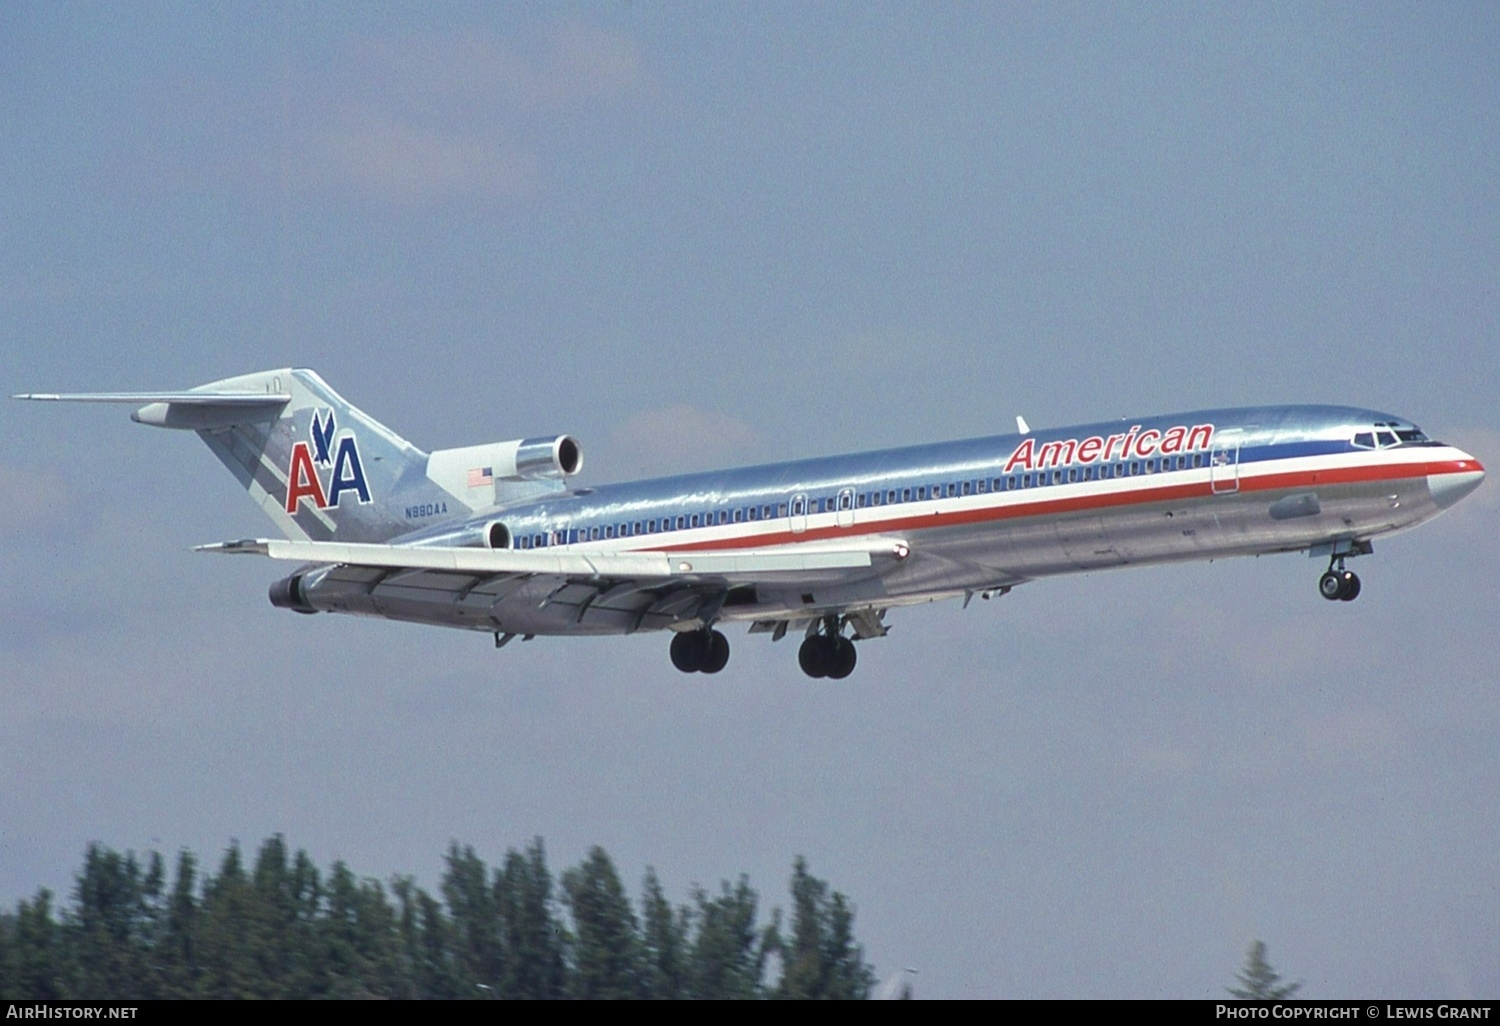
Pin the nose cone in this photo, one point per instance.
(1463, 476)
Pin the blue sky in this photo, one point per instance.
(696, 236)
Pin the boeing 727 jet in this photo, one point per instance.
(492, 538)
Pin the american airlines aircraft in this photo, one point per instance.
(492, 538)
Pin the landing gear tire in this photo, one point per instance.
(1339, 586)
(815, 656)
(824, 655)
(718, 653)
(702, 651)
(843, 658)
(690, 650)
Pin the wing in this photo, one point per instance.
(567, 592)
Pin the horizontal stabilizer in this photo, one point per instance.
(193, 411)
(743, 563)
(252, 399)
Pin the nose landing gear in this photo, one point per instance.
(1338, 584)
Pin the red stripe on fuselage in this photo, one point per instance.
(1078, 504)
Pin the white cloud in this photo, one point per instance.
(678, 439)
(430, 118)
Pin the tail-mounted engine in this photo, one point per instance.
(478, 474)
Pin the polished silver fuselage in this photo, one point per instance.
(976, 516)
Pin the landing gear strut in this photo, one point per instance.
(701, 651)
(828, 653)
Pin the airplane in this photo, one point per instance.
(493, 538)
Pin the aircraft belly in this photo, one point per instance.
(943, 562)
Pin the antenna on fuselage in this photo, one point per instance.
(1022, 426)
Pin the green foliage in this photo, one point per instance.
(282, 929)
(727, 958)
(822, 960)
(1258, 981)
(664, 943)
(535, 966)
(606, 946)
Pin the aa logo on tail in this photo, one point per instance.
(347, 473)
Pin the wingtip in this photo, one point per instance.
(245, 546)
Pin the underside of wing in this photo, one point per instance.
(557, 592)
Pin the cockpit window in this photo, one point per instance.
(1389, 435)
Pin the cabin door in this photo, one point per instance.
(799, 514)
(845, 513)
(1224, 462)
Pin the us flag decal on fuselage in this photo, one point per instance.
(348, 473)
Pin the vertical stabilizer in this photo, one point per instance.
(319, 467)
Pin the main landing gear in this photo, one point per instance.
(701, 651)
(827, 654)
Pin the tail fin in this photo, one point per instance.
(319, 467)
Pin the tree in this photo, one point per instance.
(474, 928)
(663, 943)
(606, 943)
(728, 955)
(535, 967)
(39, 957)
(226, 950)
(1258, 981)
(822, 960)
(113, 925)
